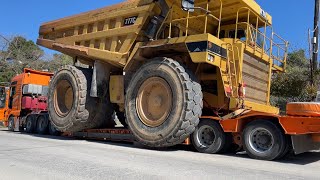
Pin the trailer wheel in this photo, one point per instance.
(163, 103)
(30, 124)
(11, 123)
(264, 140)
(288, 148)
(210, 138)
(53, 131)
(42, 125)
(70, 106)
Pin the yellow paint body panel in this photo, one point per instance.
(116, 88)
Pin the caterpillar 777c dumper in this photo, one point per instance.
(173, 70)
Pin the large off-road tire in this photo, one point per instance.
(163, 103)
(42, 124)
(53, 131)
(70, 106)
(210, 138)
(11, 123)
(264, 140)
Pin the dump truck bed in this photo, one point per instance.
(109, 33)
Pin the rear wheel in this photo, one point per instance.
(30, 124)
(209, 137)
(163, 103)
(42, 125)
(71, 108)
(11, 123)
(264, 140)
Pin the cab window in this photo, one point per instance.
(12, 93)
(2, 97)
(241, 34)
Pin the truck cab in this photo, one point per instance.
(25, 97)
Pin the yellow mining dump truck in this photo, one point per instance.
(171, 70)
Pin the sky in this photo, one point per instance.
(291, 18)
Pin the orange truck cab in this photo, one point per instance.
(26, 100)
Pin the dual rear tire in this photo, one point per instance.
(40, 124)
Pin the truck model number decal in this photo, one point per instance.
(130, 20)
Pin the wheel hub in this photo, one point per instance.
(261, 140)
(206, 136)
(29, 124)
(63, 98)
(154, 101)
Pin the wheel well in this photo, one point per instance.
(245, 121)
(178, 52)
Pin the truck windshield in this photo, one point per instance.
(2, 97)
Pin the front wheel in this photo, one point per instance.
(264, 140)
(163, 103)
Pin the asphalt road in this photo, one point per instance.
(24, 156)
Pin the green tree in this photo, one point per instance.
(294, 84)
(18, 53)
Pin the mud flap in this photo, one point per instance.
(100, 75)
(303, 143)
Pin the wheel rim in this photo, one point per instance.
(63, 98)
(154, 101)
(261, 140)
(29, 124)
(41, 123)
(206, 136)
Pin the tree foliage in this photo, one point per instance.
(294, 84)
(18, 53)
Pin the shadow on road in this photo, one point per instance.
(301, 159)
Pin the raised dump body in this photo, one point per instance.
(170, 69)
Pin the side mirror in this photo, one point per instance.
(187, 5)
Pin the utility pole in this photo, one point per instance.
(315, 39)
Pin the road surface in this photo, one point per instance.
(24, 156)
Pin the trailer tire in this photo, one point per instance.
(77, 111)
(11, 123)
(288, 148)
(264, 140)
(30, 124)
(176, 103)
(42, 124)
(210, 138)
